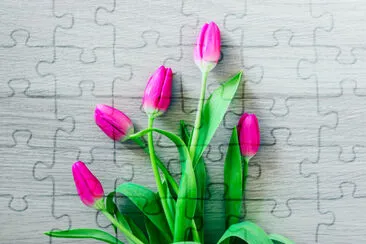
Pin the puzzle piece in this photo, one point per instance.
(343, 105)
(37, 17)
(82, 110)
(93, 36)
(211, 10)
(147, 57)
(269, 17)
(163, 17)
(69, 71)
(348, 225)
(16, 170)
(19, 61)
(66, 201)
(37, 115)
(305, 132)
(281, 73)
(287, 182)
(301, 226)
(79, 215)
(37, 217)
(104, 166)
(339, 34)
(302, 132)
(333, 172)
(326, 70)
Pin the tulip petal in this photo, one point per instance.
(112, 122)
(249, 135)
(154, 87)
(211, 44)
(166, 91)
(207, 49)
(87, 185)
(157, 93)
(200, 42)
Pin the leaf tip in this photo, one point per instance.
(240, 73)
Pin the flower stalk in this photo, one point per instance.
(159, 183)
(197, 123)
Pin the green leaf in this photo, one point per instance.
(184, 133)
(154, 233)
(214, 111)
(109, 203)
(85, 234)
(247, 231)
(172, 183)
(182, 148)
(187, 194)
(135, 229)
(111, 206)
(278, 239)
(233, 178)
(170, 199)
(147, 202)
(186, 242)
(201, 176)
(201, 179)
(124, 220)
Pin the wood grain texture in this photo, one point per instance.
(304, 76)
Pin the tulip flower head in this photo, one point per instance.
(87, 185)
(113, 122)
(158, 92)
(207, 50)
(249, 135)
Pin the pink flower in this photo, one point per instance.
(207, 50)
(88, 186)
(249, 135)
(113, 122)
(158, 92)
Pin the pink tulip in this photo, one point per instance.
(158, 92)
(249, 135)
(207, 50)
(88, 186)
(113, 122)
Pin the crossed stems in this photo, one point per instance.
(156, 164)
(192, 151)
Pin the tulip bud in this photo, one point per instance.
(207, 50)
(158, 92)
(88, 186)
(249, 135)
(113, 122)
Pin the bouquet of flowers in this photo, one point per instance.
(175, 213)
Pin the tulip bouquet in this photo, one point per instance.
(175, 213)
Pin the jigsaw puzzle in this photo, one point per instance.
(304, 76)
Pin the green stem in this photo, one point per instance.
(197, 123)
(160, 164)
(195, 135)
(159, 184)
(136, 138)
(245, 173)
(125, 231)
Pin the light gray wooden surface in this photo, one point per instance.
(305, 78)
